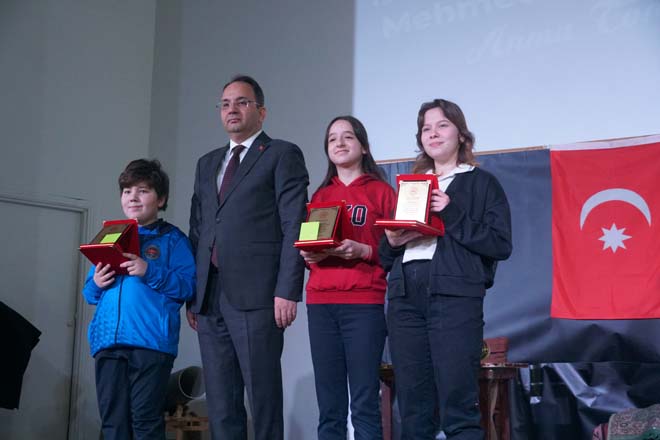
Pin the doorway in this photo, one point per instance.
(40, 272)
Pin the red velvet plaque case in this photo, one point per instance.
(334, 226)
(413, 205)
(115, 238)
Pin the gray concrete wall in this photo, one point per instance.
(302, 54)
(88, 86)
(75, 78)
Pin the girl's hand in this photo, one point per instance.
(439, 200)
(313, 257)
(351, 250)
(135, 265)
(104, 276)
(399, 237)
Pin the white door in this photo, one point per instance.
(39, 276)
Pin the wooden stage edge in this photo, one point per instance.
(476, 153)
(516, 150)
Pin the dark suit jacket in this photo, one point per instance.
(254, 227)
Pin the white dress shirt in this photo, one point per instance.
(423, 248)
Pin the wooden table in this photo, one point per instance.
(493, 398)
(386, 399)
(183, 421)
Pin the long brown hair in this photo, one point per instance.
(423, 162)
(368, 163)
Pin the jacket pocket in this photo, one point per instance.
(456, 261)
(395, 281)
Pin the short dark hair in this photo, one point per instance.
(256, 88)
(453, 112)
(368, 163)
(148, 172)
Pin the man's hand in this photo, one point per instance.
(285, 312)
(135, 265)
(192, 319)
(103, 276)
(400, 237)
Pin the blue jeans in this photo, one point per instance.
(131, 386)
(347, 346)
(435, 343)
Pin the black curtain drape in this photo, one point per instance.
(582, 371)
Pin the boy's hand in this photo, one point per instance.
(103, 275)
(135, 265)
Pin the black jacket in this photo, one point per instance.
(477, 235)
(18, 337)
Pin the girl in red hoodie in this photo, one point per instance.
(346, 289)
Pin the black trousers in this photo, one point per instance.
(241, 351)
(131, 385)
(435, 343)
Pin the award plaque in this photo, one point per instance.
(326, 226)
(115, 238)
(413, 205)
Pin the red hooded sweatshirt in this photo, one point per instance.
(338, 281)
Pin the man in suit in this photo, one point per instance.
(244, 219)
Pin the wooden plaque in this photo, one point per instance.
(333, 226)
(115, 238)
(413, 205)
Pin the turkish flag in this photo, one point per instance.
(606, 229)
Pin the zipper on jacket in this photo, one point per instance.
(121, 284)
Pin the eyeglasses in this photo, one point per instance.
(240, 103)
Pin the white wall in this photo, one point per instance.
(525, 72)
(76, 95)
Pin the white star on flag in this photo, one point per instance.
(613, 238)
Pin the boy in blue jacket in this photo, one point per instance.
(135, 331)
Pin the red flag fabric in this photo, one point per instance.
(606, 229)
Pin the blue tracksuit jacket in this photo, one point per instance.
(144, 311)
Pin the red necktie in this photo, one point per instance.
(233, 164)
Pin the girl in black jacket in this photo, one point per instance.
(437, 284)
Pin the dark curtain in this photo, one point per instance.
(584, 370)
(18, 337)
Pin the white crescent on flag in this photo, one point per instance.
(613, 194)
